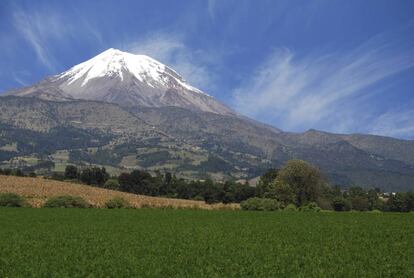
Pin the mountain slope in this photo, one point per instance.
(191, 143)
(129, 111)
(126, 79)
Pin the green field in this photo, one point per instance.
(192, 243)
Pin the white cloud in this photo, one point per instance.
(46, 30)
(172, 51)
(38, 29)
(321, 91)
(396, 123)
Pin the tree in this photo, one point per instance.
(304, 179)
(283, 192)
(71, 172)
(398, 203)
(341, 204)
(138, 182)
(94, 176)
(265, 183)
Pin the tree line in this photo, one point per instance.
(297, 184)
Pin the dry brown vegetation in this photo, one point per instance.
(38, 190)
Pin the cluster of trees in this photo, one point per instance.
(16, 172)
(297, 184)
(166, 185)
(141, 182)
(89, 175)
(301, 184)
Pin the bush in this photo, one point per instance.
(290, 207)
(66, 202)
(261, 204)
(112, 184)
(11, 200)
(310, 207)
(375, 211)
(117, 202)
(32, 174)
(341, 204)
(7, 171)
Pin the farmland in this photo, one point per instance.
(201, 243)
(37, 190)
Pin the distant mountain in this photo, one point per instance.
(126, 79)
(128, 111)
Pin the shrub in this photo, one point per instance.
(18, 173)
(117, 202)
(32, 174)
(261, 204)
(71, 172)
(11, 200)
(290, 207)
(7, 171)
(310, 207)
(112, 184)
(66, 202)
(341, 204)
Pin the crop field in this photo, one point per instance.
(201, 243)
(37, 190)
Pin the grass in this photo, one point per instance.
(199, 243)
(38, 190)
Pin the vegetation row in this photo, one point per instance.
(297, 185)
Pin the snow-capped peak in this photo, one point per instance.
(116, 63)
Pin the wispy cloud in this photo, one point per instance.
(192, 64)
(325, 91)
(45, 30)
(38, 30)
(396, 123)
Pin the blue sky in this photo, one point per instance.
(339, 66)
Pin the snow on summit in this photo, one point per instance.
(114, 62)
(127, 79)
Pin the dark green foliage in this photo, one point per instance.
(57, 176)
(214, 164)
(11, 200)
(138, 182)
(18, 173)
(112, 184)
(7, 171)
(261, 204)
(264, 186)
(29, 142)
(66, 201)
(101, 156)
(117, 203)
(401, 202)
(71, 172)
(150, 159)
(341, 204)
(94, 176)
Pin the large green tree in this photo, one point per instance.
(305, 181)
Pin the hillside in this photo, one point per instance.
(192, 144)
(38, 190)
